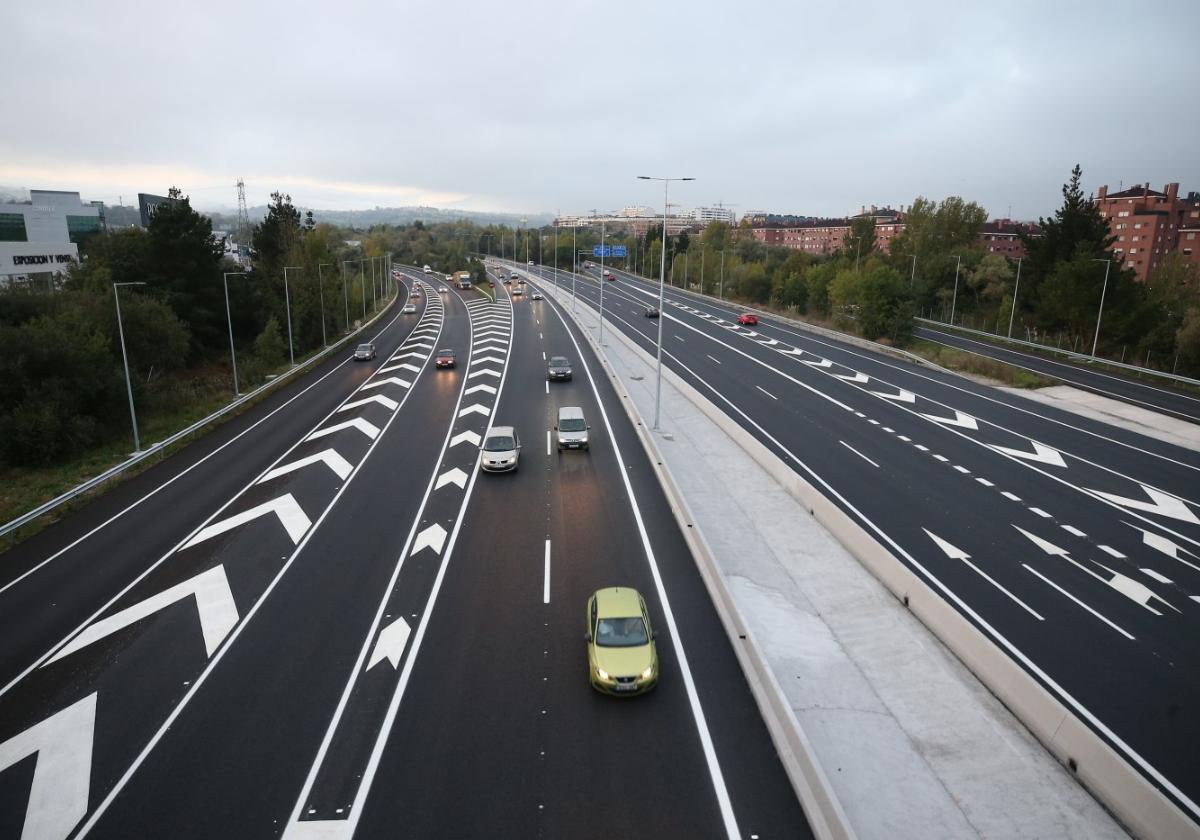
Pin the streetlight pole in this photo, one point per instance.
(601, 280)
(346, 296)
(321, 288)
(661, 279)
(913, 278)
(574, 262)
(721, 292)
(1016, 289)
(954, 300)
(1100, 314)
(137, 444)
(229, 318)
(362, 284)
(701, 268)
(556, 256)
(287, 297)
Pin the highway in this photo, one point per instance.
(321, 620)
(1156, 396)
(1074, 546)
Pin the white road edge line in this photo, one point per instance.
(859, 454)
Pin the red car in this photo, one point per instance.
(748, 319)
(445, 359)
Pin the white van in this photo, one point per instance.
(572, 429)
(428, 270)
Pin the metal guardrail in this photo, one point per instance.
(1071, 354)
(162, 445)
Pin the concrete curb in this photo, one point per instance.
(1139, 806)
(825, 814)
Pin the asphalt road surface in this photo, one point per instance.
(321, 620)
(1073, 545)
(1155, 396)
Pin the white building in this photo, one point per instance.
(704, 215)
(44, 235)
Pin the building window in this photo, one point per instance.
(1191, 236)
(80, 226)
(1137, 226)
(1133, 250)
(1187, 252)
(12, 227)
(1123, 214)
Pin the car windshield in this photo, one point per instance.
(499, 443)
(446, 353)
(365, 348)
(559, 361)
(621, 632)
(573, 425)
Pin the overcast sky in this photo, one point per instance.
(814, 108)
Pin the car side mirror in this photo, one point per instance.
(556, 428)
(589, 427)
(518, 446)
(587, 637)
(654, 634)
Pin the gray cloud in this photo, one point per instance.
(789, 107)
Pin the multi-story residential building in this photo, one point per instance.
(1149, 224)
(43, 235)
(704, 215)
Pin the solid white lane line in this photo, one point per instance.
(546, 584)
(718, 361)
(859, 454)
(1077, 601)
(765, 391)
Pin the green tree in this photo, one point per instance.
(860, 239)
(876, 299)
(269, 347)
(276, 235)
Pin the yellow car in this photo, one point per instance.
(620, 642)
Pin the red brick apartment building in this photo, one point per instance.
(824, 236)
(1149, 225)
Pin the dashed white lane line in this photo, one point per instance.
(547, 386)
(985, 482)
(905, 439)
(922, 448)
(962, 470)
(872, 422)
(1039, 512)
(1012, 497)
(543, 355)
(1112, 552)
(540, 337)
(547, 440)
(765, 391)
(1150, 573)
(546, 583)
(889, 430)
(718, 361)
(1077, 601)
(941, 458)
(678, 338)
(1071, 529)
(859, 454)
(859, 414)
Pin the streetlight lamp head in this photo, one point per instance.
(644, 178)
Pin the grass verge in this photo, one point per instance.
(964, 362)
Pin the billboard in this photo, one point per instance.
(146, 205)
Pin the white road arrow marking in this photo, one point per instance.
(465, 437)
(432, 537)
(391, 380)
(58, 797)
(484, 372)
(1041, 453)
(770, 342)
(955, 553)
(1164, 545)
(329, 457)
(379, 399)
(293, 519)
(318, 830)
(475, 409)
(1134, 590)
(401, 366)
(903, 396)
(1160, 503)
(486, 388)
(214, 604)
(793, 351)
(963, 421)
(390, 644)
(454, 476)
(821, 363)
(365, 426)
(859, 378)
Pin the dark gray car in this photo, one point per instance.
(558, 368)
